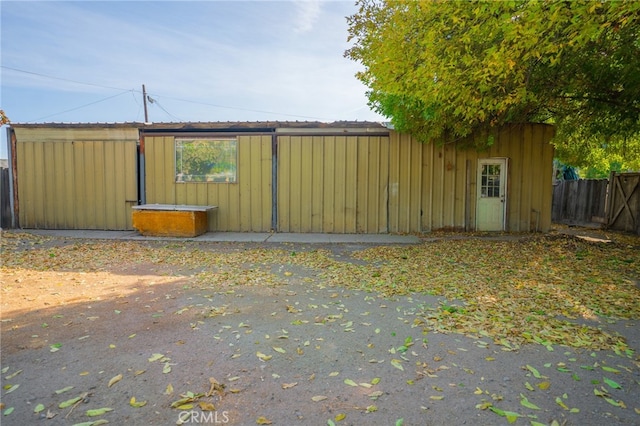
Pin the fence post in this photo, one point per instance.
(609, 200)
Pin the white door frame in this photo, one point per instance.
(490, 195)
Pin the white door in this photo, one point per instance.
(491, 203)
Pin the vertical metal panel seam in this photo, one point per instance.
(454, 185)
(442, 192)
(432, 172)
(105, 207)
(13, 178)
(419, 192)
(141, 177)
(274, 182)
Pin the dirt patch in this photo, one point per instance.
(283, 341)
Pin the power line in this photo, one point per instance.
(236, 108)
(156, 95)
(80, 107)
(61, 79)
(155, 101)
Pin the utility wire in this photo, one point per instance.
(155, 95)
(237, 108)
(80, 107)
(61, 79)
(155, 101)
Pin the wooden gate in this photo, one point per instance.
(623, 207)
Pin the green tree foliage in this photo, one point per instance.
(3, 118)
(444, 70)
(206, 160)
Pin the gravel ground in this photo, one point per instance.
(292, 350)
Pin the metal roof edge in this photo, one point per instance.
(217, 125)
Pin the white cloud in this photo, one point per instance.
(307, 13)
(282, 57)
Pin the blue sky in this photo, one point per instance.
(86, 61)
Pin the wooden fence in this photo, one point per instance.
(5, 197)
(579, 202)
(613, 203)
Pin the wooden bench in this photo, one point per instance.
(168, 220)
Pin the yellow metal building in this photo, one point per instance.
(285, 177)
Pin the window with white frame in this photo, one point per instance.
(212, 160)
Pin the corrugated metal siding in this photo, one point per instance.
(434, 187)
(73, 183)
(86, 179)
(332, 184)
(242, 206)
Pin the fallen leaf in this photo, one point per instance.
(98, 412)
(397, 364)
(206, 406)
(375, 395)
(38, 408)
(341, 416)
(185, 407)
(534, 371)
(114, 380)
(318, 398)
(12, 388)
(544, 385)
(510, 415)
(156, 357)
(526, 403)
(263, 357)
(484, 405)
(136, 404)
(93, 423)
(63, 390)
(69, 402)
(350, 382)
(612, 384)
(12, 375)
(186, 399)
(263, 421)
(289, 385)
(561, 403)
